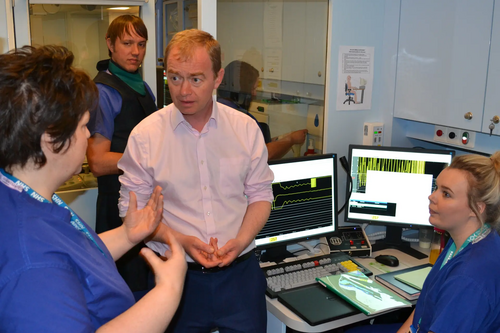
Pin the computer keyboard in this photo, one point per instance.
(299, 273)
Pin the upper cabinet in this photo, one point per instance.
(492, 100)
(442, 65)
(304, 41)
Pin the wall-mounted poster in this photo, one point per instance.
(355, 78)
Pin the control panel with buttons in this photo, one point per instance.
(454, 136)
(350, 240)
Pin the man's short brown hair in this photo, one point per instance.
(126, 24)
(187, 40)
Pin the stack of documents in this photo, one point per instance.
(406, 282)
(415, 278)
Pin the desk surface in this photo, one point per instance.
(284, 315)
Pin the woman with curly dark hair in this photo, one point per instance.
(56, 274)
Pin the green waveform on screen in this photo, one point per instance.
(294, 186)
(290, 201)
(382, 164)
(313, 183)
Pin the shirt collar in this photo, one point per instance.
(178, 118)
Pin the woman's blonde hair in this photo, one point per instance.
(483, 178)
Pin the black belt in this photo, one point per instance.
(197, 267)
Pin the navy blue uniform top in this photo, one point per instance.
(463, 295)
(52, 277)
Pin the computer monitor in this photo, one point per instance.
(304, 205)
(390, 187)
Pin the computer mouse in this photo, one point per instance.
(387, 259)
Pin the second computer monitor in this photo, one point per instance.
(390, 187)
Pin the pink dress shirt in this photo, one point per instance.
(208, 178)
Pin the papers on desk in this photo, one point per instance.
(362, 292)
(404, 289)
(415, 278)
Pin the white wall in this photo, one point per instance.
(207, 16)
(360, 23)
(149, 63)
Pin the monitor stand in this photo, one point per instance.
(276, 254)
(393, 240)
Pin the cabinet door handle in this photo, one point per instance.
(468, 115)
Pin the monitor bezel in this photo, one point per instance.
(387, 148)
(334, 208)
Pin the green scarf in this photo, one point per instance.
(134, 80)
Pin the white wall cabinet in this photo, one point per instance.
(442, 62)
(315, 45)
(492, 100)
(294, 41)
(304, 41)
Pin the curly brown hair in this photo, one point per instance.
(40, 92)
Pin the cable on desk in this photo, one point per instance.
(345, 166)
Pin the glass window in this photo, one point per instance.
(80, 28)
(175, 22)
(285, 41)
(177, 15)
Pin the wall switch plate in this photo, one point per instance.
(454, 136)
(373, 134)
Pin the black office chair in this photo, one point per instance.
(349, 95)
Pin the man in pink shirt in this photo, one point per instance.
(211, 162)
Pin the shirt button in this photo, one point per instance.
(202, 162)
(208, 213)
(205, 188)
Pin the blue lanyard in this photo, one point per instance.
(75, 221)
(476, 236)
